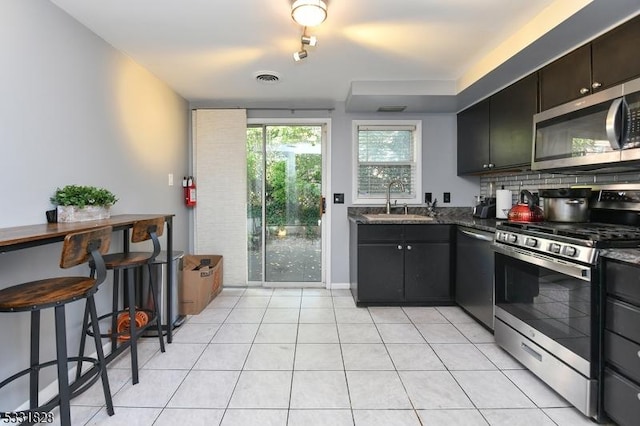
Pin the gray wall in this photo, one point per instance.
(76, 111)
(438, 168)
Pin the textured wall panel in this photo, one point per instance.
(221, 178)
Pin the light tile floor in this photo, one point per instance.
(310, 357)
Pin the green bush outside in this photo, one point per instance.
(306, 184)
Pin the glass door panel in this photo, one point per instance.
(255, 194)
(284, 194)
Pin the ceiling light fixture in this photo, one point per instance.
(300, 55)
(309, 13)
(309, 40)
(305, 40)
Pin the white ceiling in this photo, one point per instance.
(370, 52)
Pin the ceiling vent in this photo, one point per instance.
(267, 77)
(392, 108)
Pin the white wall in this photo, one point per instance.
(76, 111)
(438, 168)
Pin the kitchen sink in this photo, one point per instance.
(396, 217)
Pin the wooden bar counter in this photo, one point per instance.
(21, 237)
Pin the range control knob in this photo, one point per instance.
(570, 251)
(554, 248)
(512, 238)
(531, 242)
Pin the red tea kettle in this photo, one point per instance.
(528, 211)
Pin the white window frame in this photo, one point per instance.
(417, 161)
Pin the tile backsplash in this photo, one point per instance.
(533, 181)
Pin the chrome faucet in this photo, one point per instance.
(431, 208)
(397, 182)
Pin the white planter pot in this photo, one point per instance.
(76, 214)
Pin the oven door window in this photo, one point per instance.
(555, 304)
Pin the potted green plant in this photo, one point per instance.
(76, 203)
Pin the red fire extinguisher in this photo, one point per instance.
(189, 186)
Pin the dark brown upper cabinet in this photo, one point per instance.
(473, 138)
(614, 55)
(496, 134)
(608, 60)
(566, 79)
(511, 124)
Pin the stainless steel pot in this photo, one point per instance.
(566, 204)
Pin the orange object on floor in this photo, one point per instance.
(124, 323)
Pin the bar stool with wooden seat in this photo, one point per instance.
(124, 332)
(78, 248)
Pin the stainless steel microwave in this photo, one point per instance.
(598, 131)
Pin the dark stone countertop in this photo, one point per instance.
(628, 255)
(443, 216)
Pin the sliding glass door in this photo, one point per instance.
(285, 204)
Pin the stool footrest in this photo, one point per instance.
(76, 388)
(123, 335)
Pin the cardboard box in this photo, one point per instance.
(201, 282)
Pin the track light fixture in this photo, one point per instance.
(305, 40)
(301, 54)
(309, 40)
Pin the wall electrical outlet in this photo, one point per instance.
(428, 197)
(446, 197)
(338, 198)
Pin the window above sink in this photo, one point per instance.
(386, 151)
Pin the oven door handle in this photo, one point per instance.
(572, 269)
(530, 351)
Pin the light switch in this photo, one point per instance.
(170, 179)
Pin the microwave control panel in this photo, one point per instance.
(633, 121)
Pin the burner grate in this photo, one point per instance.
(596, 232)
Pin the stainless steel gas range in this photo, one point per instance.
(547, 291)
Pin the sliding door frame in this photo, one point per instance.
(326, 188)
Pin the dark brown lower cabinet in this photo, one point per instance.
(401, 264)
(621, 398)
(385, 282)
(621, 338)
(427, 272)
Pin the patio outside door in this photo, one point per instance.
(284, 199)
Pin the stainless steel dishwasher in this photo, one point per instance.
(474, 273)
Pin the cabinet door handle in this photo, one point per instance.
(485, 166)
(584, 91)
(399, 247)
(491, 165)
(408, 247)
(596, 85)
